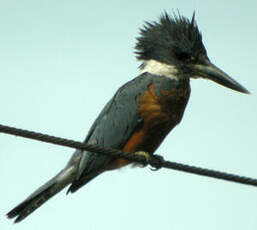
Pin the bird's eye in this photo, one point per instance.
(185, 57)
(182, 56)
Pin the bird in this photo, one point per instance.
(144, 110)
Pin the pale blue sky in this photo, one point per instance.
(61, 61)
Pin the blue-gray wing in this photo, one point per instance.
(115, 124)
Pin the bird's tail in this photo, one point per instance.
(41, 195)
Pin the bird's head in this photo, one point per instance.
(173, 47)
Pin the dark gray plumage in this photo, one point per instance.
(144, 110)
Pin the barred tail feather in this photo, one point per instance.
(41, 195)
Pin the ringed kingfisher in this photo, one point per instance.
(144, 110)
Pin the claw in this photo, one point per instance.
(156, 162)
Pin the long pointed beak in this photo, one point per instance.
(212, 72)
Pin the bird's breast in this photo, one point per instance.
(161, 110)
(161, 107)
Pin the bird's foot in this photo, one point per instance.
(155, 161)
(146, 155)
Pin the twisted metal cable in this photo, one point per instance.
(155, 161)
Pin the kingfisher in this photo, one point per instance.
(144, 110)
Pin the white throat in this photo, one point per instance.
(161, 69)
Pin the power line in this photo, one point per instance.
(155, 161)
